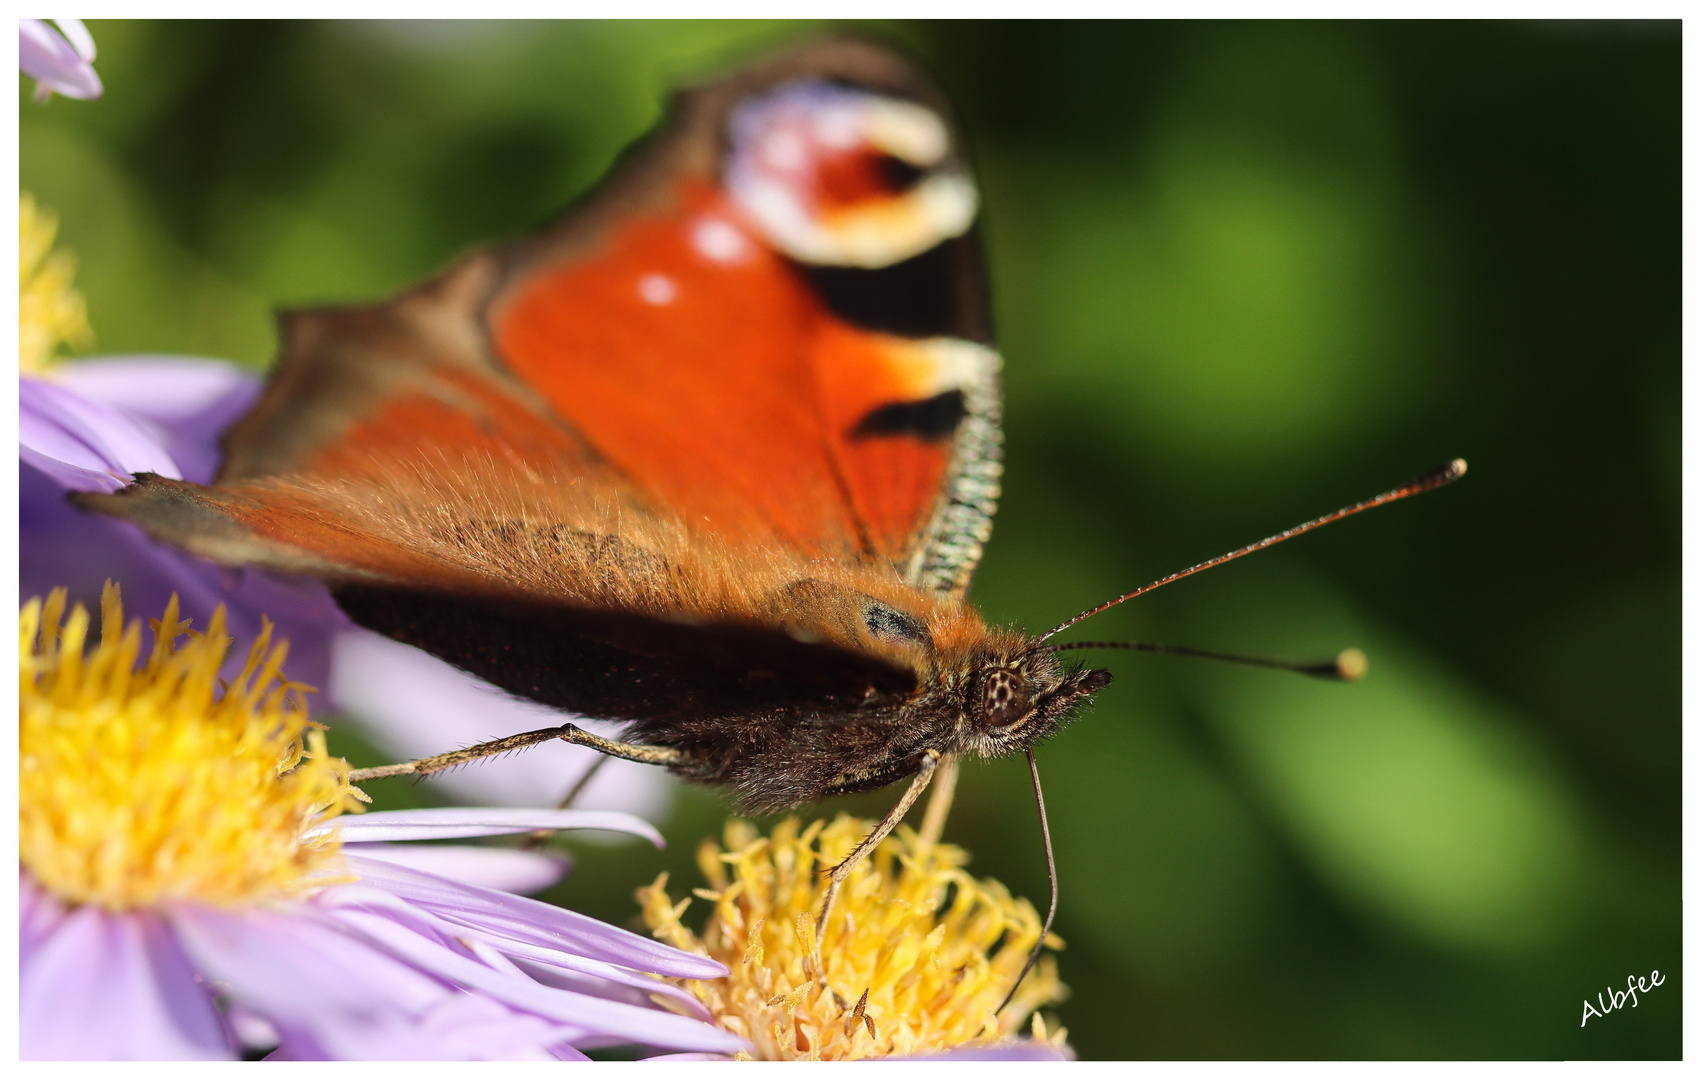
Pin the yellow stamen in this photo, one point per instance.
(917, 954)
(50, 311)
(140, 783)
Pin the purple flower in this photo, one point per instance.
(397, 964)
(187, 887)
(60, 61)
(96, 422)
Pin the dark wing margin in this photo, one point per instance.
(939, 293)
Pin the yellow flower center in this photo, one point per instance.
(933, 949)
(50, 311)
(141, 783)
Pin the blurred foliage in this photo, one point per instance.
(1245, 273)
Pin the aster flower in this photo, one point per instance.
(60, 61)
(187, 885)
(917, 955)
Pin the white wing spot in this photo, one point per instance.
(657, 289)
(718, 241)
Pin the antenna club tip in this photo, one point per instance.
(1440, 476)
(1351, 665)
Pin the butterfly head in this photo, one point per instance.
(1014, 700)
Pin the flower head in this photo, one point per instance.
(50, 310)
(188, 886)
(917, 956)
(143, 782)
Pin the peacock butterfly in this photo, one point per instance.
(714, 454)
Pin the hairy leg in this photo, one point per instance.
(651, 755)
(842, 871)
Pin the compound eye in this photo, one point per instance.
(1005, 698)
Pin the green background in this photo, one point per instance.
(1244, 273)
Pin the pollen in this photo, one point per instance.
(50, 310)
(917, 956)
(144, 778)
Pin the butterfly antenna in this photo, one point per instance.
(1348, 666)
(1051, 875)
(1430, 480)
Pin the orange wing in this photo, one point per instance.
(769, 324)
(774, 322)
(721, 383)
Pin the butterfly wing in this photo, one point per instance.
(768, 328)
(774, 322)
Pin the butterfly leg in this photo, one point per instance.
(939, 803)
(583, 782)
(536, 840)
(649, 755)
(929, 762)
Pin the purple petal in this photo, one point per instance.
(54, 62)
(417, 926)
(455, 822)
(548, 965)
(577, 973)
(328, 994)
(189, 401)
(336, 990)
(494, 868)
(69, 477)
(250, 1028)
(269, 956)
(114, 987)
(168, 390)
(414, 705)
(471, 1026)
(60, 425)
(465, 1026)
(39, 915)
(647, 1026)
(81, 41)
(354, 900)
(531, 921)
(59, 545)
(457, 1033)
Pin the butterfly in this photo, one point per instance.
(714, 455)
